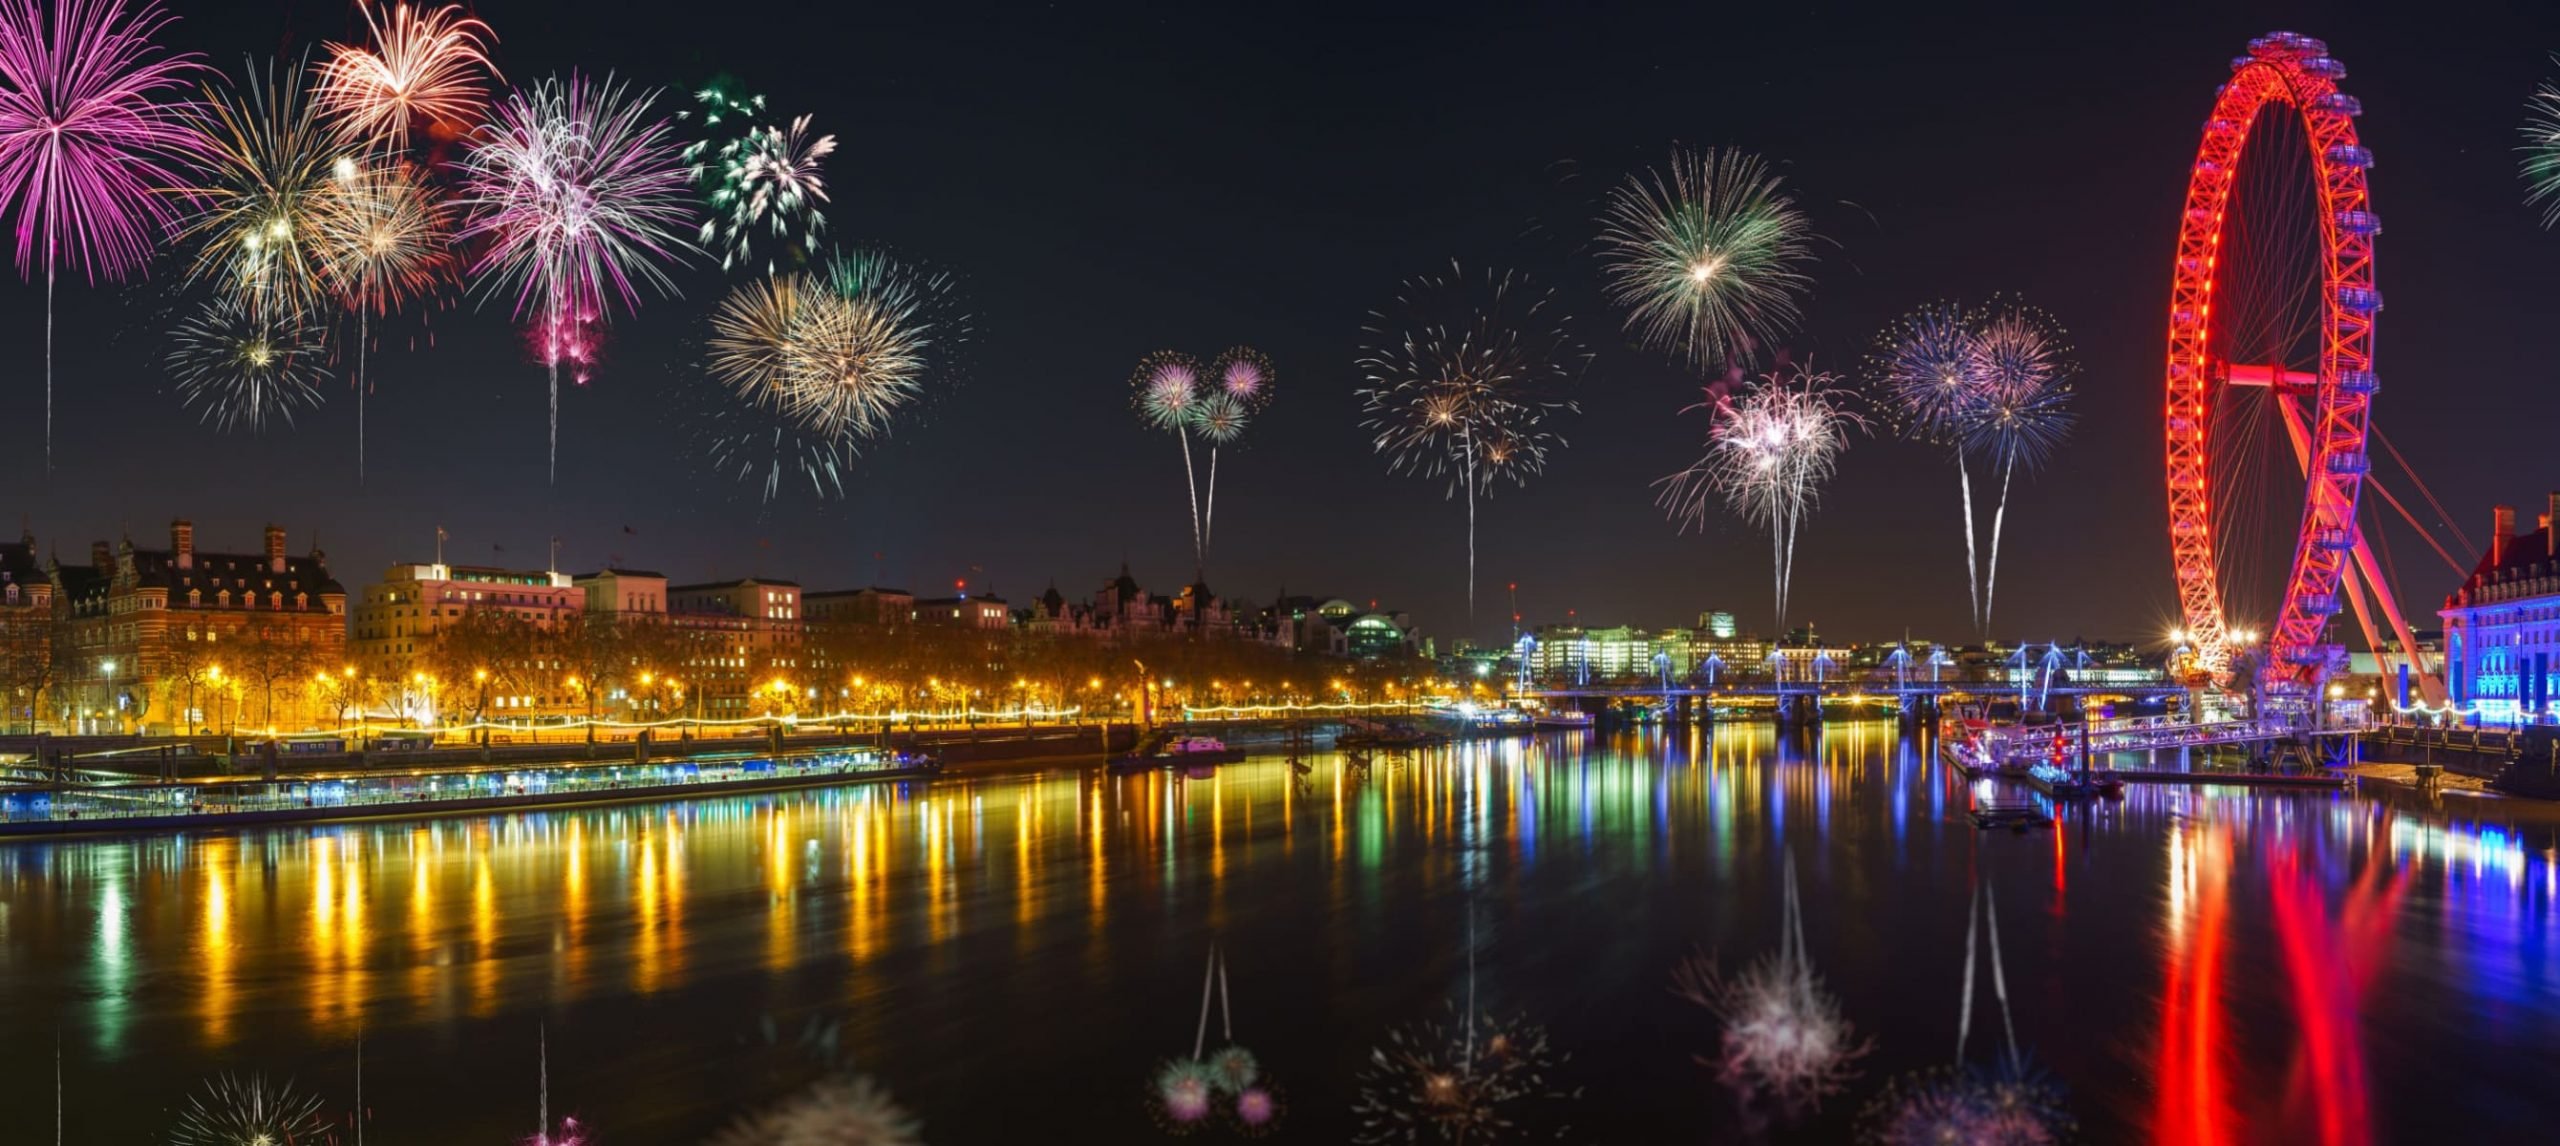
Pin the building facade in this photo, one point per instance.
(2502, 625)
(26, 634)
(399, 615)
(145, 638)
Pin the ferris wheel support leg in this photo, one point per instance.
(2430, 681)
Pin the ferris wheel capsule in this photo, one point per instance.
(2338, 103)
(2325, 68)
(2360, 222)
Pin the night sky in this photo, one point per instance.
(1113, 180)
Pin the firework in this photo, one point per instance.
(760, 179)
(91, 132)
(382, 239)
(1708, 259)
(570, 1132)
(233, 1110)
(580, 197)
(242, 368)
(1240, 385)
(835, 1112)
(1924, 373)
(2022, 410)
(1458, 1079)
(1167, 393)
(1783, 1034)
(819, 361)
(1768, 457)
(1459, 379)
(428, 69)
(1976, 1107)
(272, 165)
(2541, 151)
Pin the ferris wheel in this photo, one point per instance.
(2271, 373)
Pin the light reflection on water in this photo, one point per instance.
(2203, 964)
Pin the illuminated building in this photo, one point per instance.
(867, 606)
(740, 639)
(2502, 626)
(26, 634)
(963, 612)
(399, 615)
(139, 630)
(1581, 654)
(1121, 609)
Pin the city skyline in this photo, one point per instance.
(1030, 469)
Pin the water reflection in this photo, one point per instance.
(2262, 962)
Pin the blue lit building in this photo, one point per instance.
(2502, 627)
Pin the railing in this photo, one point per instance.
(424, 792)
(2146, 734)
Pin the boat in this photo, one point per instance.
(1565, 718)
(1194, 755)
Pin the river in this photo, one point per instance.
(1013, 955)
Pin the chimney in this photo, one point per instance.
(2502, 523)
(275, 549)
(182, 542)
(101, 557)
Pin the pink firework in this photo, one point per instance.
(91, 126)
(581, 196)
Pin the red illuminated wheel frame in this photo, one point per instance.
(2288, 74)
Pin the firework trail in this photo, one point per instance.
(820, 361)
(241, 367)
(848, 1111)
(1242, 379)
(758, 177)
(1783, 1033)
(233, 1110)
(1924, 372)
(383, 240)
(1459, 377)
(2022, 409)
(93, 126)
(427, 71)
(1767, 457)
(2542, 151)
(1708, 257)
(1166, 391)
(579, 194)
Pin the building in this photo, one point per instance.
(1122, 610)
(963, 612)
(26, 634)
(1575, 653)
(740, 645)
(398, 616)
(146, 638)
(872, 605)
(2502, 626)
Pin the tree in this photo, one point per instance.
(591, 648)
(26, 671)
(272, 655)
(189, 669)
(484, 650)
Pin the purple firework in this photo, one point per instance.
(582, 197)
(91, 126)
